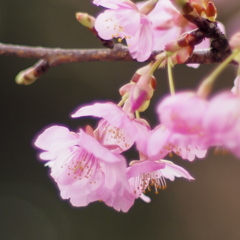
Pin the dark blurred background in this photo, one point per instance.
(30, 205)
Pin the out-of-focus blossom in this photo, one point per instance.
(84, 170)
(195, 124)
(181, 130)
(168, 25)
(183, 112)
(222, 122)
(163, 141)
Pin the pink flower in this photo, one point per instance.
(197, 124)
(126, 21)
(126, 129)
(163, 141)
(144, 174)
(222, 122)
(84, 170)
(181, 130)
(167, 24)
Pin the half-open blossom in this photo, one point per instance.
(84, 170)
(144, 174)
(126, 21)
(168, 24)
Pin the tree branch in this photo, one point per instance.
(59, 56)
(49, 57)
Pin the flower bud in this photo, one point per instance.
(85, 19)
(181, 49)
(140, 90)
(30, 75)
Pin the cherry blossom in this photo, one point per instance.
(122, 125)
(115, 23)
(146, 173)
(84, 170)
(222, 123)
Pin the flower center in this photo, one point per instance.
(82, 164)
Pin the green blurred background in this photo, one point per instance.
(30, 205)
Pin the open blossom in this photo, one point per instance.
(146, 173)
(84, 170)
(123, 130)
(125, 21)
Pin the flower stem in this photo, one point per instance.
(137, 114)
(170, 76)
(158, 60)
(206, 85)
(123, 100)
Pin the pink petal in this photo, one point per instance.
(116, 139)
(157, 147)
(55, 136)
(143, 167)
(111, 113)
(172, 170)
(91, 145)
(141, 45)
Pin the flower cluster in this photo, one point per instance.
(89, 165)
